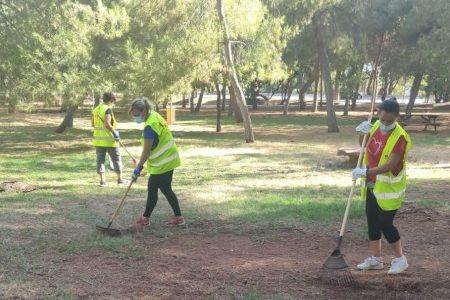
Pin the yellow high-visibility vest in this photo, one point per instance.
(165, 156)
(102, 136)
(389, 189)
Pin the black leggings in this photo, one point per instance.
(380, 221)
(164, 183)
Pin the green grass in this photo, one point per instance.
(280, 181)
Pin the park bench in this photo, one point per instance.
(428, 119)
(352, 153)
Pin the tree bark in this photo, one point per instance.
(369, 85)
(325, 68)
(234, 107)
(302, 91)
(67, 122)
(253, 95)
(183, 102)
(321, 90)
(316, 83)
(240, 98)
(289, 90)
(200, 99)
(224, 95)
(347, 102)
(219, 108)
(191, 101)
(337, 87)
(355, 96)
(12, 105)
(414, 92)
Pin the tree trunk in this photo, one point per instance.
(302, 91)
(347, 102)
(253, 95)
(240, 99)
(369, 85)
(337, 87)
(355, 96)
(316, 84)
(325, 68)
(12, 105)
(219, 109)
(191, 101)
(234, 107)
(183, 102)
(414, 92)
(200, 99)
(289, 91)
(231, 102)
(321, 90)
(224, 95)
(67, 122)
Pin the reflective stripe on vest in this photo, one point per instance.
(389, 179)
(165, 160)
(162, 150)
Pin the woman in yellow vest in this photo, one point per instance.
(106, 137)
(161, 155)
(384, 184)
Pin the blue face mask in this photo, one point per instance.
(138, 119)
(387, 128)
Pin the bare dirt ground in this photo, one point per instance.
(197, 264)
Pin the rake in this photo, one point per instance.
(112, 231)
(335, 269)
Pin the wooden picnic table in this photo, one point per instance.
(429, 119)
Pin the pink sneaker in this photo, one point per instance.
(176, 221)
(142, 222)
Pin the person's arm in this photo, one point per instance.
(107, 122)
(393, 161)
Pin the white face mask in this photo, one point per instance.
(387, 128)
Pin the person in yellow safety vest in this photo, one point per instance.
(383, 183)
(106, 137)
(162, 157)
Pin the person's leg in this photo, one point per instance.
(152, 195)
(101, 154)
(114, 154)
(375, 261)
(166, 189)
(390, 232)
(373, 225)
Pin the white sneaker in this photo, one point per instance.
(398, 265)
(371, 263)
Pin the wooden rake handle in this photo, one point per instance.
(126, 150)
(116, 213)
(363, 146)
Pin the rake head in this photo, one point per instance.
(335, 270)
(109, 231)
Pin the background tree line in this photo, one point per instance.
(58, 52)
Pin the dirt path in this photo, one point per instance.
(282, 264)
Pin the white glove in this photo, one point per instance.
(358, 173)
(364, 127)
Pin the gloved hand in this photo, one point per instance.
(136, 173)
(364, 127)
(116, 135)
(358, 173)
